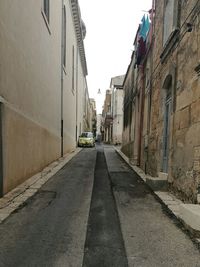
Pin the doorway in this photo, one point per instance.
(166, 129)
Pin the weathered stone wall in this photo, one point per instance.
(127, 137)
(184, 137)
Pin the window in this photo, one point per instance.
(46, 6)
(170, 18)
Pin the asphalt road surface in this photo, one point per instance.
(50, 229)
(104, 243)
(95, 212)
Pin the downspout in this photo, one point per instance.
(62, 51)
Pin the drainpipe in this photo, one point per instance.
(62, 51)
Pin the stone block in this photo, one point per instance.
(184, 117)
(175, 209)
(184, 99)
(197, 153)
(198, 198)
(196, 166)
(195, 111)
(3, 216)
(163, 175)
(164, 196)
(157, 184)
(190, 214)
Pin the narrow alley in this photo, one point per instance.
(94, 212)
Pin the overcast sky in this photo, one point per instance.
(111, 27)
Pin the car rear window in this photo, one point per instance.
(89, 135)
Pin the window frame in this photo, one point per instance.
(175, 21)
(171, 40)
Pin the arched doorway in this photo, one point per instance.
(167, 87)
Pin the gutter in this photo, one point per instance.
(79, 36)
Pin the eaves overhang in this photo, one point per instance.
(79, 33)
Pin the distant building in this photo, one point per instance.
(93, 116)
(107, 119)
(117, 98)
(130, 135)
(99, 122)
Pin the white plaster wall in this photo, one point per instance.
(118, 116)
(69, 95)
(30, 60)
(30, 84)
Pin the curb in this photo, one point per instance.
(173, 205)
(16, 198)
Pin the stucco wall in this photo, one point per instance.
(30, 86)
(27, 147)
(117, 116)
(30, 60)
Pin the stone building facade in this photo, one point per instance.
(117, 108)
(136, 100)
(129, 140)
(107, 119)
(175, 118)
(170, 115)
(42, 83)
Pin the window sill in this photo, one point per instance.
(46, 21)
(169, 45)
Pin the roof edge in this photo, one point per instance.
(79, 34)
